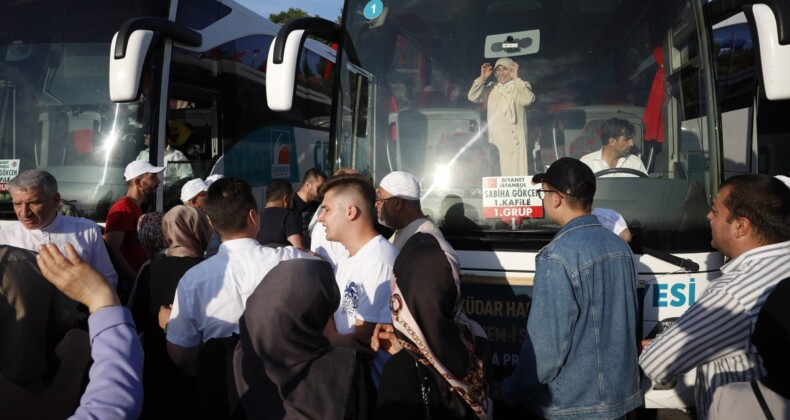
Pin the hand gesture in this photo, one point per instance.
(384, 338)
(75, 278)
(486, 71)
(514, 70)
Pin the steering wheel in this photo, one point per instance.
(629, 171)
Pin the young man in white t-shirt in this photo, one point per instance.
(363, 278)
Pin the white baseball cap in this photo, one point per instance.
(192, 188)
(401, 184)
(139, 167)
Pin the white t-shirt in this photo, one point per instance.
(364, 283)
(331, 251)
(423, 224)
(596, 162)
(211, 296)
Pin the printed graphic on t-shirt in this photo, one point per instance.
(350, 299)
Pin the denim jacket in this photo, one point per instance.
(579, 358)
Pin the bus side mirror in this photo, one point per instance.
(126, 72)
(280, 76)
(774, 55)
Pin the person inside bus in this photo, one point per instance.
(280, 226)
(285, 367)
(178, 133)
(771, 393)
(398, 207)
(617, 138)
(506, 98)
(437, 368)
(750, 225)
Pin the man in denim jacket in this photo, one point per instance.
(579, 357)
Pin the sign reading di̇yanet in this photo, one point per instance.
(511, 196)
(9, 169)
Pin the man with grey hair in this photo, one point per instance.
(35, 198)
(398, 207)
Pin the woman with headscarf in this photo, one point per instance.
(439, 373)
(506, 98)
(149, 233)
(186, 231)
(284, 365)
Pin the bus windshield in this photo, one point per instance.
(55, 110)
(475, 97)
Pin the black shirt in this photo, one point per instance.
(277, 224)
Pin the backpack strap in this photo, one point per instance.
(759, 395)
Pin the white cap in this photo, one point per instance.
(611, 220)
(784, 179)
(213, 178)
(139, 167)
(401, 184)
(192, 188)
(504, 62)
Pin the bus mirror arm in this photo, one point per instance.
(323, 28)
(172, 30)
(683, 263)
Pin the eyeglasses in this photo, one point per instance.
(381, 200)
(542, 193)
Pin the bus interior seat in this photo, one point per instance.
(589, 141)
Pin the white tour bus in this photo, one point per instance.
(705, 104)
(191, 73)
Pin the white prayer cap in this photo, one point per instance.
(784, 179)
(212, 178)
(192, 188)
(401, 184)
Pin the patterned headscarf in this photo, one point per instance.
(149, 232)
(430, 323)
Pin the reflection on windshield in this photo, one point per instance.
(55, 115)
(474, 100)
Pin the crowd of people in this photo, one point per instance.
(299, 307)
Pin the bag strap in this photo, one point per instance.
(759, 395)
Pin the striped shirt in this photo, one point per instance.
(713, 335)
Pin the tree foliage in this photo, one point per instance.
(285, 16)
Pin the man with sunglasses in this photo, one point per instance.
(578, 359)
(617, 138)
